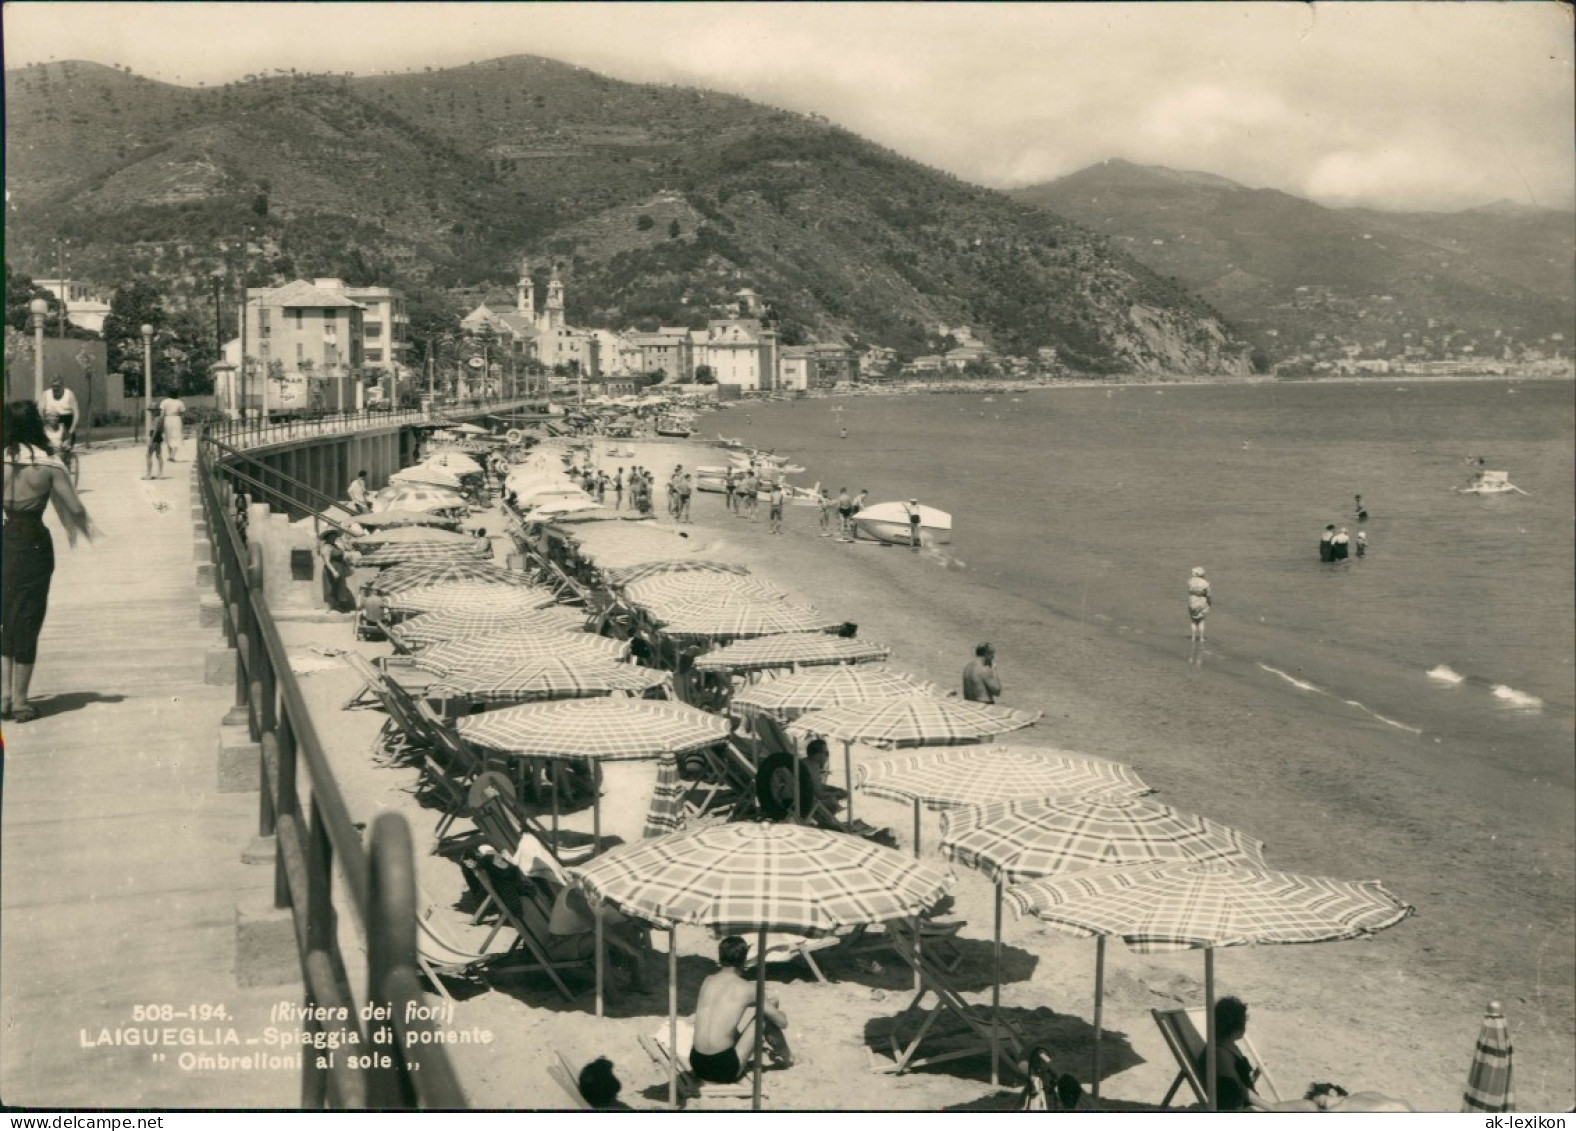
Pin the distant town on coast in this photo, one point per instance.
(521, 225)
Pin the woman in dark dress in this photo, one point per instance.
(336, 575)
(33, 479)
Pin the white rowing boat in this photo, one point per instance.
(1490, 483)
(892, 523)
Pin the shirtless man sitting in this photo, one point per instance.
(725, 1020)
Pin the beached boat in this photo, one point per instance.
(889, 522)
(711, 479)
(1490, 483)
(673, 426)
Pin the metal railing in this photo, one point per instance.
(279, 428)
(397, 1063)
(274, 486)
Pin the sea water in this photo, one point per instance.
(1096, 502)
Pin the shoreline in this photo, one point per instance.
(1328, 817)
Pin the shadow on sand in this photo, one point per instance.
(65, 701)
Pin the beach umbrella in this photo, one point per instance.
(389, 519)
(428, 476)
(1014, 841)
(396, 553)
(737, 878)
(1488, 1083)
(468, 595)
(789, 649)
(914, 720)
(1204, 904)
(419, 575)
(660, 590)
(469, 429)
(786, 697)
(631, 574)
(604, 729)
(402, 497)
(409, 535)
(547, 678)
(518, 647)
(457, 624)
(455, 461)
(730, 617)
(946, 777)
(558, 507)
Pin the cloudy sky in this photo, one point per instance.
(1395, 105)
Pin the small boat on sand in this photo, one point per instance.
(673, 426)
(1490, 483)
(889, 522)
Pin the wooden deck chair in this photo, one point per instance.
(969, 1033)
(1184, 1031)
(782, 947)
(938, 939)
(533, 948)
(568, 1079)
(439, 957)
(690, 1085)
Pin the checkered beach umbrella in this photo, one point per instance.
(411, 535)
(662, 590)
(455, 461)
(547, 678)
(789, 649)
(1488, 1083)
(518, 648)
(629, 575)
(467, 595)
(759, 878)
(457, 624)
(1161, 908)
(975, 775)
(389, 519)
(748, 876)
(916, 720)
(601, 729)
(398, 553)
(413, 497)
(731, 617)
(1013, 841)
(787, 697)
(420, 575)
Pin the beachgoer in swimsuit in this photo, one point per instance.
(1197, 603)
(1326, 551)
(1362, 543)
(774, 501)
(1339, 546)
(845, 509)
(725, 1020)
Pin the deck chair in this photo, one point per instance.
(969, 1031)
(440, 958)
(690, 1085)
(782, 948)
(938, 939)
(1184, 1031)
(568, 1079)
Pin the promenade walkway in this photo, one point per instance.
(122, 867)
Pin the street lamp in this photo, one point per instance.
(38, 309)
(147, 375)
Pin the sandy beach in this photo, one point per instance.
(1371, 1014)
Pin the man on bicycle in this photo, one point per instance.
(58, 407)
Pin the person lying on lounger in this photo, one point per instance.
(725, 1020)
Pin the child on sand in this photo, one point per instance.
(1197, 603)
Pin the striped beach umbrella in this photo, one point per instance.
(631, 574)
(398, 553)
(732, 617)
(946, 777)
(665, 814)
(425, 475)
(457, 624)
(518, 647)
(1014, 841)
(478, 594)
(1488, 1083)
(547, 678)
(789, 649)
(1204, 904)
(412, 497)
(786, 697)
(759, 878)
(596, 729)
(420, 575)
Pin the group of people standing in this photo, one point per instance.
(742, 494)
(1336, 545)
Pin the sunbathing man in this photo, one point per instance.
(725, 1020)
